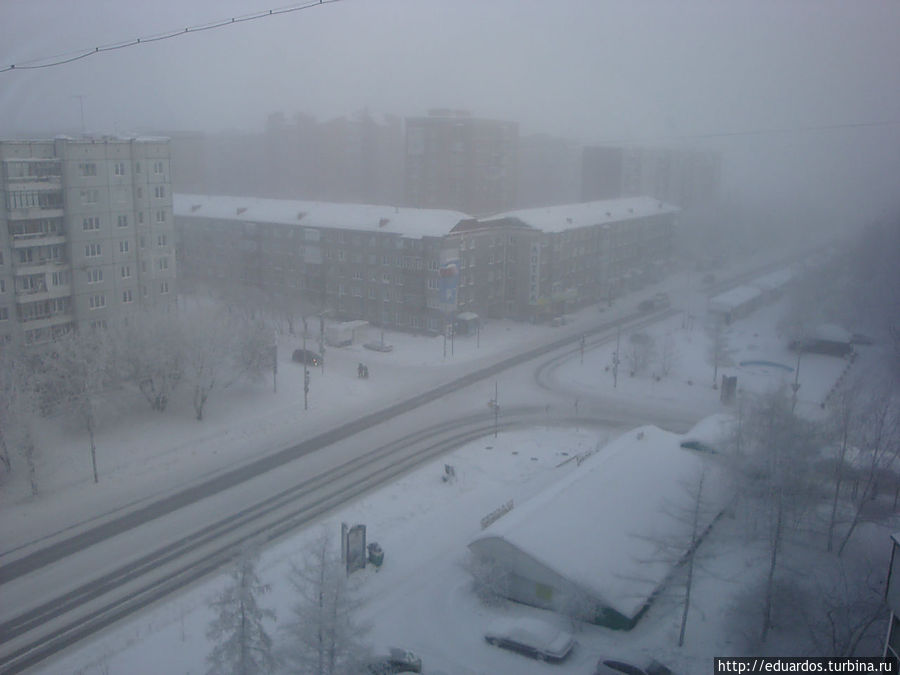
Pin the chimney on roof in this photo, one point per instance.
(383, 221)
(569, 221)
(241, 210)
(609, 214)
(195, 207)
(300, 215)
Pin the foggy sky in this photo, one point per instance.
(590, 70)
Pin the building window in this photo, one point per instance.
(160, 216)
(163, 263)
(137, 167)
(97, 301)
(161, 240)
(143, 241)
(90, 223)
(157, 167)
(120, 168)
(94, 275)
(4, 314)
(2, 285)
(123, 246)
(126, 271)
(433, 285)
(122, 221)
(92, 250)
(90, 196)
(127, 296)
(140, 216)
(87, 169)
(160, 191)
(164, 287)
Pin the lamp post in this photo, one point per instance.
(795, 387)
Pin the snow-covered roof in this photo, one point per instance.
(585, 214)
(774, 280)
(734, 298)
(368, 217)
(830, 332)
(596, 526)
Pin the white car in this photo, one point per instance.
(531, 637)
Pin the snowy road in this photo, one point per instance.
(60, 593)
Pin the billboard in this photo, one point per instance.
(449, 283)
(353, 547)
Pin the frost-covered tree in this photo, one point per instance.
(219, 348)
(78, 369)
(150, 354)
(19, 410)
(324, 637)
(242, 645)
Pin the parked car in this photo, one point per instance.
(395, 661)
(531, 637)
(613, 667)
(310, 357)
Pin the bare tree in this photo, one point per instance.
(844, 411)
(242, 645)
(324, 637)
(878, 440)
(668, 355)
(719, 349)
(776, 470)
(688, 523)
(640, 352)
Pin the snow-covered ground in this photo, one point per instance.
(421, 598)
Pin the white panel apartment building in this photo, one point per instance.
(86, 233)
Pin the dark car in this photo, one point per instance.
(531, 637)
(613, 667)
(395, 661)
(305, 355)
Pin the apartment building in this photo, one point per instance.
(538, 263)
(86, 233)
(415, 269)
(685, 177)
(456, 161)
(353, 261)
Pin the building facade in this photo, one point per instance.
(416, 269)
(459, 162)
(685, 177)
(86, 233)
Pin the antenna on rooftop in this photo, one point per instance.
(81, 98)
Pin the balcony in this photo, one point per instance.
(42, 265)
(43, 293)
(46, 320)
(35, 212)
(37, 239)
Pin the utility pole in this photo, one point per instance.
(322, 341)
(582, 349)
(81, 98)
(305, 376)
(616, 358)
(496, 407)
(275, 368)
(795, 387)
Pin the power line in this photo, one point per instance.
(61, 59)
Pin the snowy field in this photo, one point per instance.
(421, 599)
